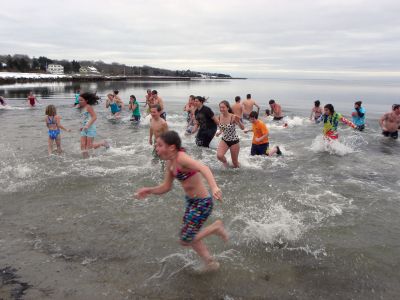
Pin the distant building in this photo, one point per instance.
(88, 70)
(3, 65)
(55, 69)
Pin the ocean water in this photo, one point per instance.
(319, 222)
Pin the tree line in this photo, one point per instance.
(23, 63)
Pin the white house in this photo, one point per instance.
(88, 70)
(55, 69)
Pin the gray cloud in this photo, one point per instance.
(244, 38)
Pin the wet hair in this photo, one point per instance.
(267, 112)
(272, 101)
(254, 115)
(51, 110)
(330, 108)
(395, 106)
(157, 106)
(248, 96)
(200, 98)
(317, 103)
(116, 92)
(132, 96)
(90, 98)
(358, 103)
(226, 103)
(172, 138)
(237, 98)
(154, 92)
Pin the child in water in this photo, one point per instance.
(53, 124)
(316, 112)
(134, 107)
(115, 104)
(88, 130)
(199, 203)
(331, 122)
(32, 99)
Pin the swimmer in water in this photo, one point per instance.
(88, 130)
(32, 99)
(331, 122)
(390, 122)
(53, 123)
(316, 112)
(115, 104)
(199, 202)
(260, 143)
(134, 107)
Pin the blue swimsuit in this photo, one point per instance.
(91, 131)
(114, 108)
(53, 133)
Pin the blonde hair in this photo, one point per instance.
(51, 110)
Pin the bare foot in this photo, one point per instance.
(212, 266)
(221, 231)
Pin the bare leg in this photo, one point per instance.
(97, 145)
(202, 250)
(50, 146)
(222, 149)
(215, 228)
(235, 154)
(274, 150)
(58, 143)
(84, 146)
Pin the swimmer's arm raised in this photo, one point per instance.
(157, 190)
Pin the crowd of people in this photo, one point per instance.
(202, 122)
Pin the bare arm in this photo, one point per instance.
(58, 120)
(258, 107)
(151, 135)
(157, 190)
(382, 120)
(240, 124)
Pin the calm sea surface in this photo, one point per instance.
(320, 222)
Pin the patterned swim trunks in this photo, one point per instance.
(197, 212)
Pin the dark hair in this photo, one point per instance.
(158, 106)
(133, 96)
(200, 98)
(358, 103)
(154, 92)
(272, 101)
(116, 92)
(172, 138)
(226, 103)
(90, 98)
(237, 98)
(253, 114)
(395, 106)
(192, 97)
(248, 96)
(317, 103)
(330, 108)
(267, 112)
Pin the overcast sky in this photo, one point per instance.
(285, 38)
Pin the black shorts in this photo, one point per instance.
(204, 137)
(393, 135)
(135, 118)
(277, 118)
(231, 143)
(259, 149)
(164, 116)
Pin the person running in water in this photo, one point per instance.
(260, 143)
(76, 103)
(2, 101)
(199, 202)
(276, 110)
(134, 107)
(157, 126)
(390, 122)
(206, 123)
(32, 99)
(53, 123)
(230, 139)
(88, 129)
(115, 104)
(158, 100)
(316, 112)
(149, 101)
(190, 109)
(358, 116)
(331, 122)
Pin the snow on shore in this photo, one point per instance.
(30, 75)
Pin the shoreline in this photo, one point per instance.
(12, 78)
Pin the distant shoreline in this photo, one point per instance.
(12, 78)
